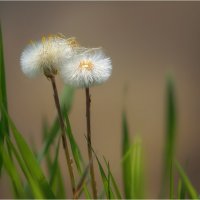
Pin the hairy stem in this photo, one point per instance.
(64, 139)
(93, 183)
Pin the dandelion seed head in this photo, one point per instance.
(91, 67)
(46, 56)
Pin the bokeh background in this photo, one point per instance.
(146, 40)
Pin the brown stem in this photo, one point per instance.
(93, 183)
(64, 139)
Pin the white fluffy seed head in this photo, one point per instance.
(47, 56)
(86, 69)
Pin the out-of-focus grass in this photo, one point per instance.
(126, 165)
(170, 137)
(132, 164)
(185, 184)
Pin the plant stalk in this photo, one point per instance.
(64, 139)
(93, 183)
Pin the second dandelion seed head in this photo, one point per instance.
(91, 67)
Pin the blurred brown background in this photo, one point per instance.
(145, 41)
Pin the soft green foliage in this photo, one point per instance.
(170, 140)
(126, 165)
(137, 176)
(13, 173)
(30, 160)
(132, 164)
(186, 182)
(105, 180)
(28, 180)
(181, 190)
(115, 186)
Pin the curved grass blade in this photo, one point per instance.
(116, 188)
(109, 186)
(56, 181)
(74, 147)
(30, 159)
(106, 184)
(34, 184)
(81, 182)
(13, 173)
(76, 154)
(187, 184)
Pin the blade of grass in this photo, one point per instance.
(76, 154)
(181, 190)
(54, 166)
(187, 184)
(74, 147)
(30, 159)
(56, 181)
(107, 189)
(82, 181)
(3, 95)
(109, 186)
(3, 98)
(109, 193)
(34, 184)
(136, 180)
(126, 164)
(170, 139)
(115, 186)
(13, 173)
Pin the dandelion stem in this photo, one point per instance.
(93, 183)
(64, 139)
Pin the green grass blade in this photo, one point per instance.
(75, 149)
(137, 177)
(76, 154)
(54, 166)
(181, 190)
(56, 181)
(13, 173)
(115, 186)
(126, 164)
(33, 183)
(109, 185)
(82, 181)
(108, 190)
(30, 159)
(3, 98)
(187, 184)
(170, 139)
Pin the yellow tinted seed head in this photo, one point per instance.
(86, 64)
